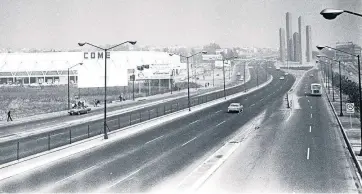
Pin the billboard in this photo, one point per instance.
(211, 57)
(218, 64)
(91, 73)
(153, 71)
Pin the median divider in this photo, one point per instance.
(33, 161)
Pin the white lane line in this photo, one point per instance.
(310, 129)
(154, 139)
(218, 111)
(308, 154)
(220, 123)
(311, 115)
(189, 141)
(308, 100)
(310, 107)
(121, 180)
(252, 105)
(194, 122)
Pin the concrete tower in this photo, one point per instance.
(300, 49)
(296, 46)
(289, 32)
(282, 44)
(308, 34)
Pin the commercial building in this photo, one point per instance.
(348, 47)
(289, 32)
(308, 34)
(296, 46)
(300, 44)
(52, 67)
(282, 44)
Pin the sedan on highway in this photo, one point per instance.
(79, 110)
(282, 78)
(235, 107)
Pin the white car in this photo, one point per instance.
(281, 78)
(286, 73)
(235, 107)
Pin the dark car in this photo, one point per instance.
(79, 110)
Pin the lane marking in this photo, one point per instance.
(218, 111)
(311, 115)
(310, 129)
(121, 180)
(220, 123)
(308, 154)
(308, 100)
(194, 122)
(189, 141)
(154, 139)
(252, 105)
(310, 107)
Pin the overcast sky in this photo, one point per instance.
(62, 23)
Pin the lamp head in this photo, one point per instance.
(319, 56)
(204, 52)
(81, 43)
(331, 14)
(132, 42)
(171, 54)
(319, 47)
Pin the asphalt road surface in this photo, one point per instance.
(305, 153)
(10, 150)
(139, 163)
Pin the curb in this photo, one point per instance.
(345, 137)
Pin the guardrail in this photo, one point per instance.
(26, 146)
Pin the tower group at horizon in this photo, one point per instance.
(291, 44)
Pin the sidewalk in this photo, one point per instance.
(130, 103)
(350, 123)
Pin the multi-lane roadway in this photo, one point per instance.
(302, 152)
(139, 163)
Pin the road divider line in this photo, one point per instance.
(218, 111)
(311, 115)
(310, 107)
(189, 141)
(154, 139)
(310, 129)
(308, 154)
(220, 123)
(252, 105)
(194, 122)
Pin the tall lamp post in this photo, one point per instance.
(105, 78)
(359, 82)
(188, 74)
(69, 81)
(340, 82)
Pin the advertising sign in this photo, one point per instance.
(153, 71)
(211, 57)
(218, 64)
(350, 108)
(91, 73)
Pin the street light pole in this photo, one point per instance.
(332, 82)
(244, 77)
(69, 81)
(105, 79)
(340, 89)
(188, 83)
(223, 70)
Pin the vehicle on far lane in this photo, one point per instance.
(316, 89)
(281, 78)
(79, 110)
(235, 107)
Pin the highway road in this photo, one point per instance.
(65, 135)
(305, 154)
(139, 163)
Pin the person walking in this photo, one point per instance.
(9, 116)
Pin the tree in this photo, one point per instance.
(211, 48)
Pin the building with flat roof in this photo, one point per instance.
(289, 32)
(282, 44)
(300, 44)
(308, 34)
(296, 47)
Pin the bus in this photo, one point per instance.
(316, 89)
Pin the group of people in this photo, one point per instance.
(78, 104)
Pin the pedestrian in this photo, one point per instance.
(9, 116)
(120, 98)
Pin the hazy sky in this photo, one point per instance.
(63, 23)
